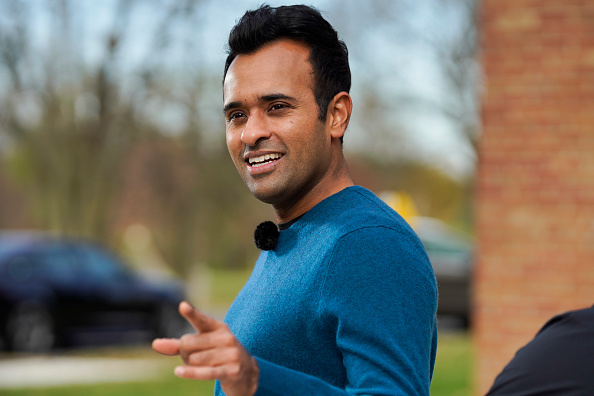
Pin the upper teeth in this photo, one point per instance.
(258, 161)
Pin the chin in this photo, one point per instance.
(268, 198)
(266, 194)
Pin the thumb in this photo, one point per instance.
(166, 346)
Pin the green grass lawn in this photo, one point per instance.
(453, 366)
(451, 377)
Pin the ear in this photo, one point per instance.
(339, 114)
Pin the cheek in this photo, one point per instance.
(232, 142)
(235, 147)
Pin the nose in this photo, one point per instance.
(255, 129)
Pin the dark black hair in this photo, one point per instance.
(328, 54)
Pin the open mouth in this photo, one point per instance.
(263, 159)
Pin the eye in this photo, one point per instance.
(235, 115)
(280, 107)
(277, 106)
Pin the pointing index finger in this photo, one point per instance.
(200, 321)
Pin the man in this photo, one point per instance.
(345, 302)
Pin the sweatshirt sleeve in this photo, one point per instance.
(380, 293)
(381, 289)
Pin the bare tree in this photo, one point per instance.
(104, 128)
(424, 58)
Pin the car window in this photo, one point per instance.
(11, 244)
(58, 262)
(101, 265)
(20, 267)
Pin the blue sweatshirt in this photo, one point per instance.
(344, 305)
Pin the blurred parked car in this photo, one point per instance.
(54, 292)
(451, 254)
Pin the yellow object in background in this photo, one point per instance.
(402, 203)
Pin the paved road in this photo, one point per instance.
(43, 371)
(71, 367)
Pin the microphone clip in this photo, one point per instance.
(266, 235)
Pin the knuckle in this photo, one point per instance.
(227, 338)
(185, 340)
(195, 359)
(233, 370)
(234, 354)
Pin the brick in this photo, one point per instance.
(535, 198)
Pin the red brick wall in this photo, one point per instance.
(535, 208)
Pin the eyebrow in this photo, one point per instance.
(232, 105)
(263, 99)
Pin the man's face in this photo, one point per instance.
(276, 140)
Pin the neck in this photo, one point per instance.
(340, 180)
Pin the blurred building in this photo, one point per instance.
(535, 219)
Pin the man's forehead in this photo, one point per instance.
(289, 48)
(280, 67)
(278, 62)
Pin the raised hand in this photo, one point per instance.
(212, 353)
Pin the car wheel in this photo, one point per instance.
(30, 328)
